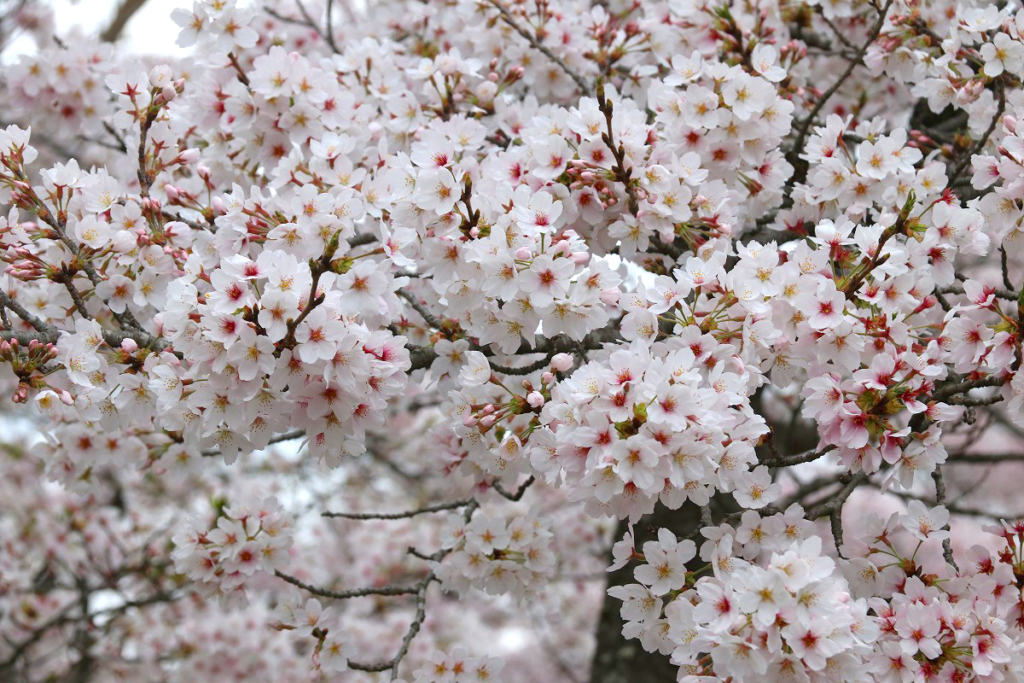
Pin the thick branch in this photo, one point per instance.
(125, 11)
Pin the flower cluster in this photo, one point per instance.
(784, 614)
(245, 539)
(458, 667)
(310, 618)
(495, 556)
(934, 622)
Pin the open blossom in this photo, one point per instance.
(437, 190)
(757, 490)
(665, 563)
(923, 523)
(547, 279)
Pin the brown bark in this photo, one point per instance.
(125, 11)
(617, 660)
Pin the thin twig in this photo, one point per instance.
(940, 499)
(399, 515)
(518, 494)
(799, 458)
(536, 44)
(424, 312)
(1005, 266)
(287, 436)
(962, 166)
(347, 595)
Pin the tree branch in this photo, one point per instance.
(536, 44)
(125, 11)
(399, 515)
(347, 595)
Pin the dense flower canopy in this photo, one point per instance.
(357, 300)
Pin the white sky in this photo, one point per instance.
(150, 30)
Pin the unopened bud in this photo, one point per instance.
(561, 361)
(189, 156)
(611, 296)
(535, 399)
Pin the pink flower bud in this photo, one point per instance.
(524, 253)
(488, 409)
(219, 206)
(189, 156)
(560, 247)
(169, 92)
(1010, 123)
(204, 171)
(561, 362)
(611, 296)
(474, 232)
(469, 420)
(172, 193)
(129, 345)
(535, 399)
(66, 398)
(487, 421)
(580, 257)
(547, 378)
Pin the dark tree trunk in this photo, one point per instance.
(616, 659)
